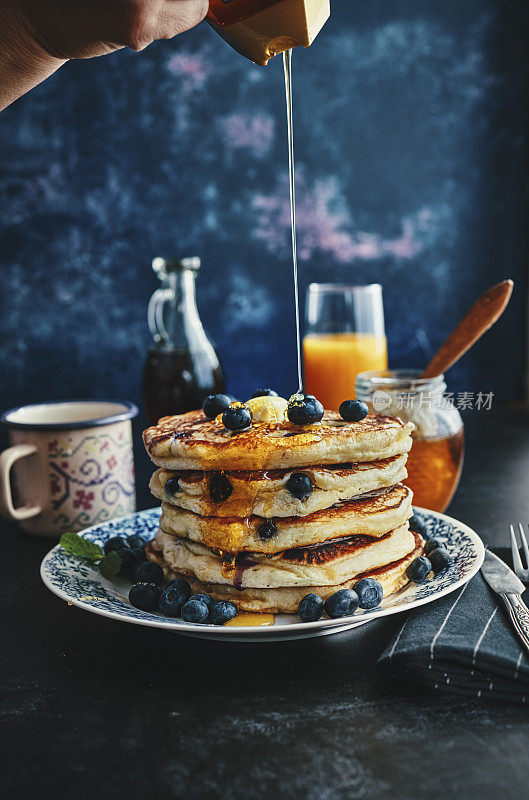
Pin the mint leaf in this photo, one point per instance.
(110, 565)
(81, 548)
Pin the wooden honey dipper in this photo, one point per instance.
(483, 314)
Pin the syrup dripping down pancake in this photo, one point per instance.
(373, 516)
(324, 565)
(264, 493)
(392, 576)
(192, 441)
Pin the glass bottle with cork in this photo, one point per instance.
(182, 366)
(435, 460)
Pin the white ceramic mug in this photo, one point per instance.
(70, 465)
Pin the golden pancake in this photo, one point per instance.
(192, 441)
(264, 493)
(322, 565)
(286, 600)
(372, 516)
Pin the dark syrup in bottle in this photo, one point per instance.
(176, 381)
(182, 366)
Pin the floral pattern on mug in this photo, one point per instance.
(85, 487)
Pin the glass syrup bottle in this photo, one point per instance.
(261, 29)
(182, 366)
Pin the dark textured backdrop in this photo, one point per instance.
(412, 158)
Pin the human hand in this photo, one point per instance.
(67, 29)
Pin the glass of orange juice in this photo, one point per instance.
(345, 335)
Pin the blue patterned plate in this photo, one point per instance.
(83, 586)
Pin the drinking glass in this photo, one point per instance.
(345, 335)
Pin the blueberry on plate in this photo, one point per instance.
(237, 417)
(299, 485)
(370, 593)
(116, 543)
(140, 554)
(215, 404)
(182, 586)
(173, 597)
(264, 393)
(171, 601)
(267, 530)
(204, 598)
(418, 525)
(128, 560)
(135, 541)
(353, 410)
(148, 572)
(304, 409)
(419, 569)
(171, 487)
(439, 559)
(144, 596)
(221, 612)
(195, 610)
(341, 604)
(219, 487)
(431, 545)
(310, 608)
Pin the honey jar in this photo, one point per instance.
(436, 457)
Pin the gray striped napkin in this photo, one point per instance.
(463, 644)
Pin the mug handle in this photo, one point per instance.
(7, 459)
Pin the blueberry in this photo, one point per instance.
(128, 560)
(144, 596)
(304, 409)
(171, 487)
(140, 554)
(353, 410)
(439, 559)
(299, 485)
(116, 543)
(222, 611)
(266, 530)
(135, 540)
(219, 487)
(195, 611)
(369, 591)
(417, 524)
(237, 417)
(341, 604)
(148, 572)
(432, 544)
(310, 608)
(204, 598)
(419, 569)
(182, 586)
(171, 601)
(264, 393)
(215, 404)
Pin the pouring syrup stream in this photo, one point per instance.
(287, 63)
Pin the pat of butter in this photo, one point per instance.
(268, 409)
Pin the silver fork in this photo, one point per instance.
(520, 570)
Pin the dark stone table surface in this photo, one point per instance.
(92, 708)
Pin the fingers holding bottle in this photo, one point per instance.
(68, 29)
(163, 19)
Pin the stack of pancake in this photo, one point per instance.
(231, 525)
